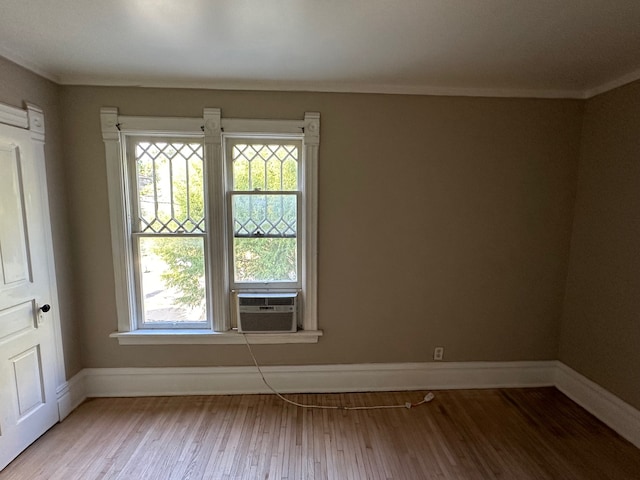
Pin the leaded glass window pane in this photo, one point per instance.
(264, 207)
(265, 167)
(265, 215)
(168, 229)
(169, 177)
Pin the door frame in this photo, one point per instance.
(31, 118)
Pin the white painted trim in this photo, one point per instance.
(36, 123)
(611, 410)
(207, 337)
(310, 221)
(261, 126)
(111, 382)
(121, 252)
(13, 116)
(71, 394)
(216, 248)
(160, 125)
(35, 118)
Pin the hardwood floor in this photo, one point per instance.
(464, 434)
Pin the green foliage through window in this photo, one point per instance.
(170, 185)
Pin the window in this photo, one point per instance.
(202, 209)
(265, 204)
(168, 231)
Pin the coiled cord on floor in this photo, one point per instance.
(427, 398)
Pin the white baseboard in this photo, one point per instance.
(137, 382)
(71, 394)
(609, 409)
(108, 382)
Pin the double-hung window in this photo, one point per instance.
(168, 231)
(203, 209)
(265, 201)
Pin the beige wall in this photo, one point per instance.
(443, 221)
(17, 86)
(601, 324)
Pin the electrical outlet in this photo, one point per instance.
(438, 353)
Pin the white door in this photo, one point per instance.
(28, 404)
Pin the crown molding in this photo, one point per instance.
(320, 87)
(618, 82)
(323, 87)
(31, 66)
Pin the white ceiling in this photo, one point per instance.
(537, 48)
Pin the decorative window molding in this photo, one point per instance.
(212, 130)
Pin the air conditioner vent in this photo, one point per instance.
(245, 301)
(281, 301)
(267, 312)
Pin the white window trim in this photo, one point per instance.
(114, 127)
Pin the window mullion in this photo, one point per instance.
(216, 214)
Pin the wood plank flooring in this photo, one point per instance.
(465, 434)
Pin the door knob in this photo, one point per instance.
(45, 308)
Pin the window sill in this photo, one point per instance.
(207, 337)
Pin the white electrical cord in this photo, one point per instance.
(427, 398)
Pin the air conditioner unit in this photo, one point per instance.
(267, 312)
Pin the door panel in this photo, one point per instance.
(13, 251)
(28, 404)
(28, 380)
(16, 320)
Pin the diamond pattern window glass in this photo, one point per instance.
(168, 231)
(265, 167)
(265, 215)
(169, 178)
(265, 199)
